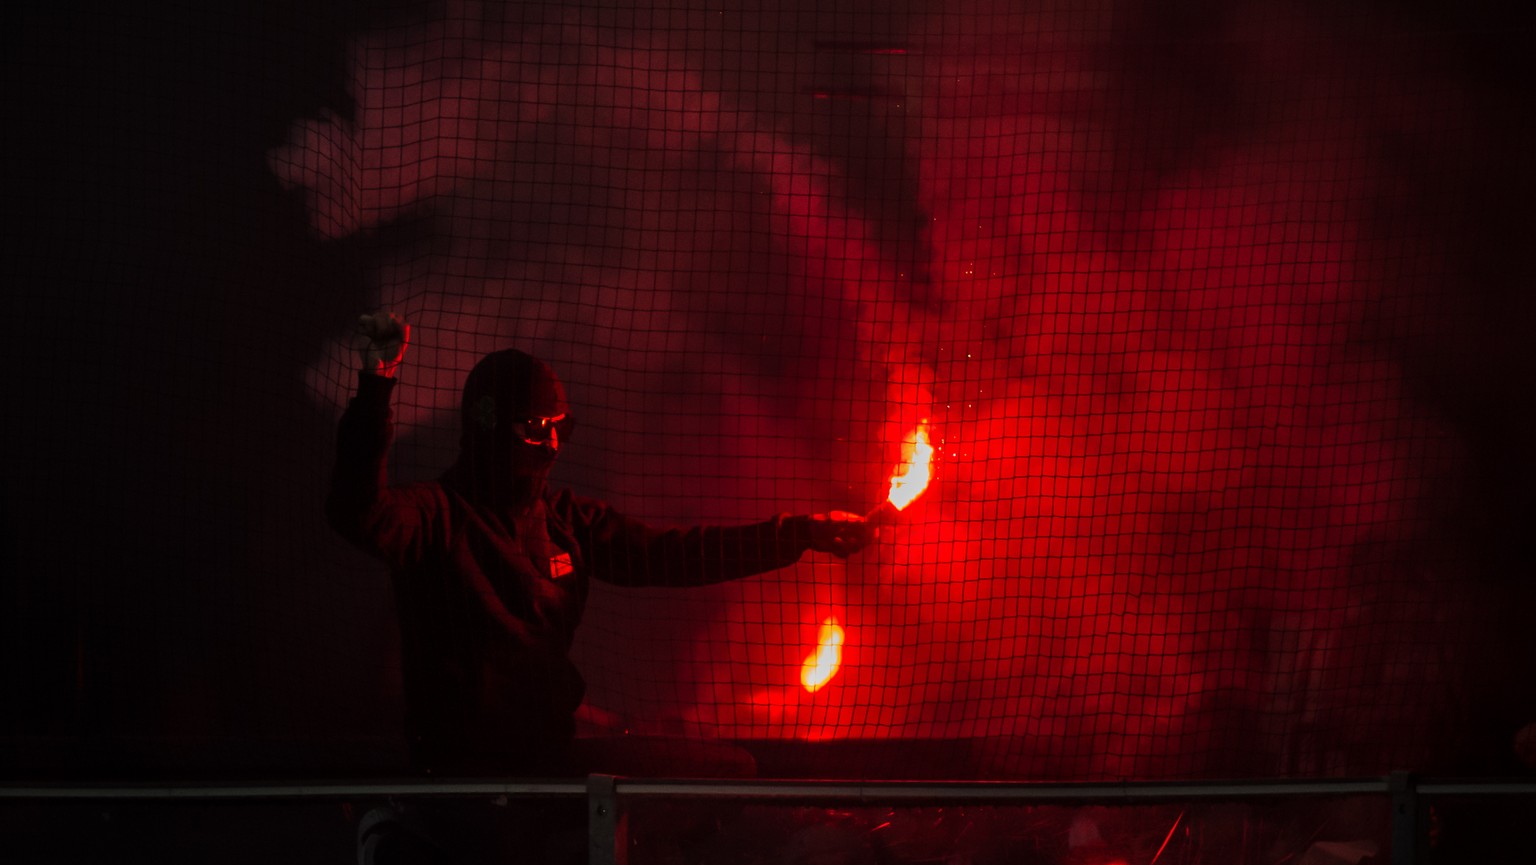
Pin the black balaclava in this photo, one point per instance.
(496, 466)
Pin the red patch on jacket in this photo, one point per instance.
(560, 565)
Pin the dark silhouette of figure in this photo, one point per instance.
(492, 566)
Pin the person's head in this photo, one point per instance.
(515, 418)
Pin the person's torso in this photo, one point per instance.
(487, 621)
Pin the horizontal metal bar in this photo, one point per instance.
(992, 791)
(1476, 788)
(780, 790)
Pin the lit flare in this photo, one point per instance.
(913, 478)
(821, 665)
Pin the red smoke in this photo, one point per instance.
(1181, 511)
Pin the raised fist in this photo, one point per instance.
(386, 336)
(840, 533)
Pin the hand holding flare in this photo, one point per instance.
(843, 534)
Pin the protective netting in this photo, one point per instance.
(1206, 308)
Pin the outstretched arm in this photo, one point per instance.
(629, 553)
(394, 524)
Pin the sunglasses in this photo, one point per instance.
(542, 430)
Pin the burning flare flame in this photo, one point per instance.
(821, 665)
(913, 478)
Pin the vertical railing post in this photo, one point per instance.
(606, 844)
(1405, 818)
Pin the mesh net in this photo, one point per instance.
(1210, 312)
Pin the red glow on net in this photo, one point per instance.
(821, 665)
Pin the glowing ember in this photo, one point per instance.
(821, 665)
(913, 478)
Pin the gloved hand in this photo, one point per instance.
(840, 533)
(387, 336)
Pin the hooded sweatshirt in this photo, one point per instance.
(491, 570)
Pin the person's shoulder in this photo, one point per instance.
(429, 493)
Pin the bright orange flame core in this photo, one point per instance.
(914, 476)
(821, 665)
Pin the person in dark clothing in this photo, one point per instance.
(492, 566)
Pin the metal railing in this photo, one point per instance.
(606, 796)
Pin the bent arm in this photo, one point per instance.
(394, 524)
